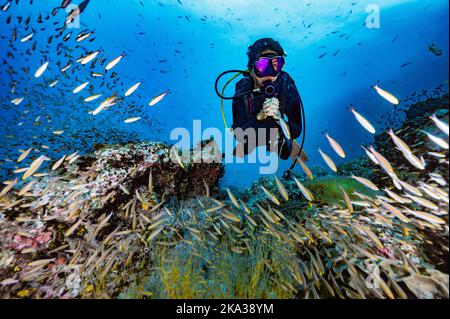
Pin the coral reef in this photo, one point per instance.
(140, 221)
(68, 230)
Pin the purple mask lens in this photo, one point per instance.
(269, 66)
(279, 63)
(262, 64)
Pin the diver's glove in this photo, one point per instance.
(271, 108)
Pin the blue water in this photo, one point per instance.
(183, 45)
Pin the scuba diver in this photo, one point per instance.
(263, 98)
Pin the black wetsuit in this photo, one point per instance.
(246, 108)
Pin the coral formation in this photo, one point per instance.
(71, 228)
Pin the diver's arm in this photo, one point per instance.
(293, 111)
(240, 117)
(244, 120)
(241, 122)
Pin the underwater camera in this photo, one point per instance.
(269, 90)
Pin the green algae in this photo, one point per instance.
(327, 190)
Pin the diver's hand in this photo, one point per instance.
(271, 108)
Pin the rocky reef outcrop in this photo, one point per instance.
(62, 233)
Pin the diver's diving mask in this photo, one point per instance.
(269, 66)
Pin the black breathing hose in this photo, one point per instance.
(236, 95)
(288, 172)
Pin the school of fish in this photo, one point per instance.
(76, 226)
